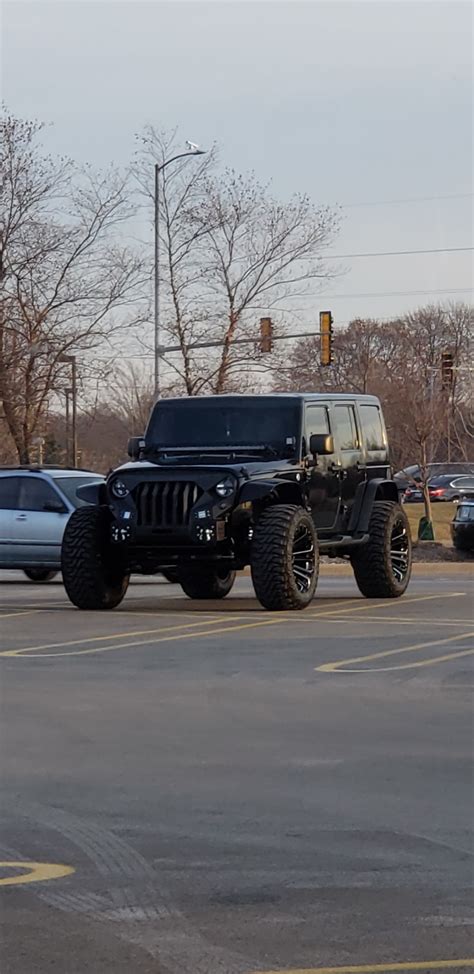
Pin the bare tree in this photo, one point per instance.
(69, 281)
(232, 254)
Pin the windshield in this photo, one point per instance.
(69, 485)
(254, 423)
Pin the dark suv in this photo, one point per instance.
(221, 482)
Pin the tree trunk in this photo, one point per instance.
(224, 366)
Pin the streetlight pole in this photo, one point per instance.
(71, 360)
(195, 151)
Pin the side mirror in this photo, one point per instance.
(135, 446)
(54, 507)
(321, 444)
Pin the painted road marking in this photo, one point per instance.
(340, 666)
(23, 612)
(37, 872)
(385, 604)
(147, 642)
(420, 965)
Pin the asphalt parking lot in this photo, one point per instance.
(206, 788)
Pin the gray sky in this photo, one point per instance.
(356, 103)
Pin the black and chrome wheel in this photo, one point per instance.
(285, 558)
(382, 567)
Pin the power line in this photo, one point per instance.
(397, 253)
(394, 294)
(413, 199)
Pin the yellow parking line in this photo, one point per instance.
(340, 666)
(114, 635)
(386, 604)
(23, 612)
(38, 872)
(420, 965)
(149, 642)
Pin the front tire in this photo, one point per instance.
(285, 558)
(206, 582)
(91, 578)
(382, 567)
(39, 574)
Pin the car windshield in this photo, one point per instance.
(465, 513)
(69, 485)
(253, 423)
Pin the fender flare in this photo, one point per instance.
(273, 492)
(368, 492)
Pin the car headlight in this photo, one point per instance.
(225, 487)
(119, 489)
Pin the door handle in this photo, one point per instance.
(20, 517)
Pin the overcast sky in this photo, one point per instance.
(358, 103)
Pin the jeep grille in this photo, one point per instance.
(165, 504)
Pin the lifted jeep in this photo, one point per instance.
(221, 482)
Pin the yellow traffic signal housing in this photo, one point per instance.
(325, 331)
(266, 334)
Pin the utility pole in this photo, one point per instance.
(71, 360)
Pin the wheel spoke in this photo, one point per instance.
(399, 551)
(303, 559)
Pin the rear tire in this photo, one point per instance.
(285, 558)
(382, 567)
(92, 578)
(39, 574)
(206, 582)
(171, 575)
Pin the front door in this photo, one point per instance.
(324, 482)
(9, 502)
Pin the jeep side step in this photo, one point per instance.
(343, 541)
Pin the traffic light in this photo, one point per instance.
(447, 370)
(266, 334)
(325, 331)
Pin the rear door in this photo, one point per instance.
(350, 452)
(374, 440)
(324, 484)
(9, 501)
(40, 530)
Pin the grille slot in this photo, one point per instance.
(165, 504)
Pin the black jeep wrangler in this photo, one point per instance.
(221, 482)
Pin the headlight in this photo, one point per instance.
(226, 487)
(119, 489)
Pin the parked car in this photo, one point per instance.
(35, 506)
(444, 488)
(412, 474)
(462, 527)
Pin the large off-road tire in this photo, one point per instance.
(39, 574)
(206, 581)
(171, 575)
(382, 567)
(285, 558)
(92, 576)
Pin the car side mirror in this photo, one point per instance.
(54, 507)
(321, 444)
(135, 446)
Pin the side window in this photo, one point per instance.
(35, 493)
(9, 493)
(317, 420)
(346, 427)
(372, 428)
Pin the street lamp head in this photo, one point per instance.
(193, 147)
